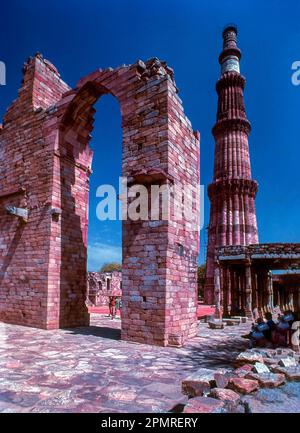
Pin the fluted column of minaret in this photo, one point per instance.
(232, 192)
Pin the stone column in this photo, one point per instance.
(218, 308)
(239, 290)
(266, 295)
(290, 299)
(248, 290)
(229, 291)
(255, 289)
(261, 292)
(270, 301)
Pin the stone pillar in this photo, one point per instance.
(260, 291)
(265, 291)
(239, 291)
(255, 289)
(235, 295)
(290, 300)
(217, 282)
(278, 301)
(270, 301)
(248, 290)
(229, 291)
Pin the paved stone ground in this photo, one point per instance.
(92, 370)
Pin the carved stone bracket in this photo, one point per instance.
(21, 213)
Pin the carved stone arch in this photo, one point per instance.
(158, 146)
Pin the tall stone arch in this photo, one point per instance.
(49, 128)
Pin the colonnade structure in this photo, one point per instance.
(245, 279)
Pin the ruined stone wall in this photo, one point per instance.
(46, 139)
(183, 228)
(102, 285)
(25, 182)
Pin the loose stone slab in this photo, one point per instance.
(222, 378)
(244, 386)
(284, 352)
(288, 362)
(231, 322)
(291, 373)
(225, 395)
(241, 318)
(271, 361)
(238, 318)
(267, 380)
(249, 357)
(201, 381)
(216, 324)
(204, 405)
(259, 367)
(243, 370)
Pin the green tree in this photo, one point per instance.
(110, 267)
(201, 279)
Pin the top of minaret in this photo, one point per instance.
(230, 57)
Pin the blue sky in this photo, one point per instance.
(80, 36)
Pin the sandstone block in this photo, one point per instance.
(204, 405)
(244, 386)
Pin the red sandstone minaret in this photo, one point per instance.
(232, 192)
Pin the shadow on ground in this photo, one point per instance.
(97, 331)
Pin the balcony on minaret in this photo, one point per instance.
(230, 57)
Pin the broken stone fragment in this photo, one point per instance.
(244, 386)
(267, 380)
(222, 379)
(202, 381)
(271, 361)
(265, 352)
(204, 405)
(243, 370)
(141, 65)
(291, 373)
(216, 324)
(249, 357)
(260, 367)
(18, 212)
(284, 352)
(288, 362)
(225, 395)
(232, 322)
(242, 319)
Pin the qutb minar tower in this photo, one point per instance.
(232, 192)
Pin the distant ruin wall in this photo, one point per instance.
(102, 285)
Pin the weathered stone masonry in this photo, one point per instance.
(232, 192)
(45, 168)
(102, 285)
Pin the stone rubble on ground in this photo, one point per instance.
(226, 395)
(249, 357)
(204, 405)
(288, 362)
(267, 380)
(201, 381)
(257, 369)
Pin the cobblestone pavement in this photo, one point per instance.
(92, 370)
